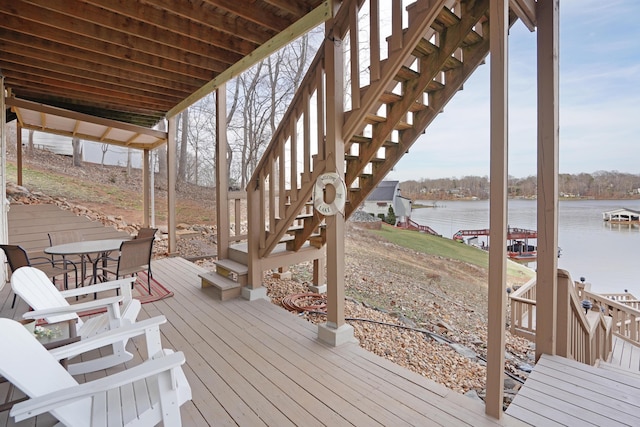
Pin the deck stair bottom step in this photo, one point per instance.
(232, 270)
(223, 288)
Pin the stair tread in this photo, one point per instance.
(232, 265)
(219, 281)
(617, 368)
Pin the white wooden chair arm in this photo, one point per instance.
(48, 402)
(100, 287)
(112, 303)
(149, 327)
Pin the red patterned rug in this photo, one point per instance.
(141, 292)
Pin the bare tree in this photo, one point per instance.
(76, 144)
(258, 99)
(30, 143)
(104, 148)
(162, 156)
(184, 142)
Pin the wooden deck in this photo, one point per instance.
(29, 225)
(563, 392)
(253, 363)
(625, 355)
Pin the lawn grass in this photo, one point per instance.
(447, 248)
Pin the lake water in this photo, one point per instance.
(605, 254)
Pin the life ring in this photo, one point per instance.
(337, 205)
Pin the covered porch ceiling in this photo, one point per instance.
(109, 71)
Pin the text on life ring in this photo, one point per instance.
(337, 205)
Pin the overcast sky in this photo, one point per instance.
(599, 102)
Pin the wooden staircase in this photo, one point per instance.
(431, 46)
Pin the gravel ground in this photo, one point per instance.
(438, 306)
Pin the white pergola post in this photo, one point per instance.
(146, 189)
(171, 183)
(499, 25)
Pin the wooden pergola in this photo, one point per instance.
(111, 70)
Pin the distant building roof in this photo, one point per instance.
(621, 215)
(385, 191)
(622, 210)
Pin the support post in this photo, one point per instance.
(318, 284)
(222, 180)
(548, 137)
(171, 184)
(19, 152)
(4, 229)
(336, 331)
(498, 22)
(146, 189)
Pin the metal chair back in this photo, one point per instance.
(135, 256)
(146, 232)
(16, 256)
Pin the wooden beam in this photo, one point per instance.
(498, 33)
(38, 52)
(112, 50)
(60, 112)
(526, 11)
(547, 203)
(257, 15)
(310, 21)
(173, 25)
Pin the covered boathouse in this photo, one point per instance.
(621, 216)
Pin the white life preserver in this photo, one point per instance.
(337, 205)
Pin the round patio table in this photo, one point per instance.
(84, 249)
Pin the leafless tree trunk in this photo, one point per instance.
(77, 152)
(128, 162)
(184, 140)
(162, 157)
(104, 148)
(30, 143)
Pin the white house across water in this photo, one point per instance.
(385, 195)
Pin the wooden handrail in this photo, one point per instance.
(625, 316)
(586, 337)
(523, 304)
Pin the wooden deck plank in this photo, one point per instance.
(598, 406)
(29, 225)
(573, 393)
(534, 418)
(356, 375)
(244, 350)
(343, 377)
(634, 359)
(387, 382)
(583, 375)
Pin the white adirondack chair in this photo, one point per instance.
(144, 395)
(48, 303)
